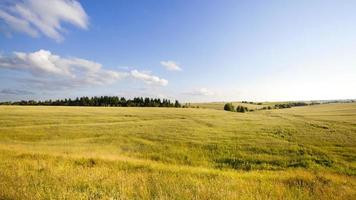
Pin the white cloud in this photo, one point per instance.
(43, 63)
(148, 78)
(171, 65)
(17, 24)
(43, 16)
(53, 71)
(201, 92)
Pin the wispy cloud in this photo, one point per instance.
(201, 92)
(171, 65)
(55, 72)
(16, 92)
(36, 17)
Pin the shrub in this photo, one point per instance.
(229, 107)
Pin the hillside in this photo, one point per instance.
(177, 153)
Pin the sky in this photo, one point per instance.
(189, 50)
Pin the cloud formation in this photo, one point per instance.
(35, 17)
(43, 63)
(201, 92)
(148, 78)
(171, 65)
(53, 71)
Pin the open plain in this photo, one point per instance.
(177, 153)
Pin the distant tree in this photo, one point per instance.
(112, 101)
(229, 107)
(246, 109)
(177, 104)
(241, 109)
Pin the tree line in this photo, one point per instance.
(251, 102)
(112, 101)
(290, 104)
(239, 108)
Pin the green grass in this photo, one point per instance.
(167, 153)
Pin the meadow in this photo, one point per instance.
(177, 153)
(220, 105)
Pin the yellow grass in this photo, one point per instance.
(167, 153)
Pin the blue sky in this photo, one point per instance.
(185, 50)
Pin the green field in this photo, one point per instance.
(177, 153)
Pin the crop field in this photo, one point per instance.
(177, 153)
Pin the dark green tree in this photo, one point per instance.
(229, 107)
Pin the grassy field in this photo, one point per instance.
(220, 105)
(167, 153)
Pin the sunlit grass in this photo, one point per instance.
(167, 153)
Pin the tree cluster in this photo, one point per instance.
(241, 109)
(102, 101)
(230, 107)
(266, 108)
